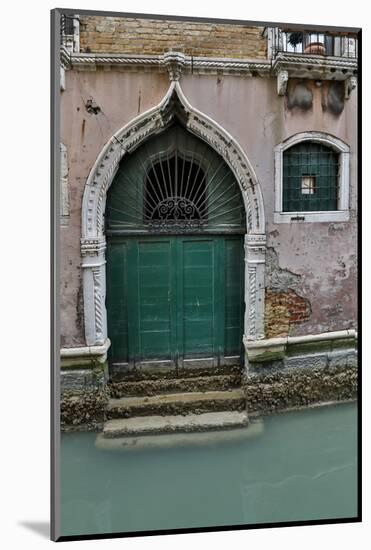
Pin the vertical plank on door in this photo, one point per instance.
(219, 301)
(154, 269)
(234, 302)
(117, 284)
(198, 297)
(178, 301)
(132, 301)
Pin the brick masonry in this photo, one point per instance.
(151, 36)
(283, 309)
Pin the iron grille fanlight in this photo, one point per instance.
(175, 183)
(175, 194)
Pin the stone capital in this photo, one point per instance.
(350, 85)
(175, 62)
(92, 248)
(282, 80)
(255, 245)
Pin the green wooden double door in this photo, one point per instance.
(175, 300)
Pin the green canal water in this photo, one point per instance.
(301, 466)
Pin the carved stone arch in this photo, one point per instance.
(93, 244)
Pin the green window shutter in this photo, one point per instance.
(310, 178)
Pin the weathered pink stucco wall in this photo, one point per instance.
(120, 96)
(322, 254)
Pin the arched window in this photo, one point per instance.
(311, 179)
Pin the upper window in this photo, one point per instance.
(312, 179)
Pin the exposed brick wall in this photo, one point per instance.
(149, 36)
(283, 309)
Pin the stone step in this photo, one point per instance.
(160, 386)
(253, 429)
(152, 425)
(177, 403)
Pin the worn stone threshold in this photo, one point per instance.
(142, 425)
(179, 403)
(167, 386)
(184, 397)
(253, 429)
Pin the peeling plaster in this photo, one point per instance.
(277, 278)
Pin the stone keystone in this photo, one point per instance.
(174, 61)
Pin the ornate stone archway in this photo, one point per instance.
(126, 140)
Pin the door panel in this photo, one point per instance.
(154, 325)
(198, 297)
(175, 298)
(234, 305)
(117, 300)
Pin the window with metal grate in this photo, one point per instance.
(310, 178)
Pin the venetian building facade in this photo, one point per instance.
(208, 208)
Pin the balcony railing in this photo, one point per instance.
(69, 32)
(311, 42)
(67, 26)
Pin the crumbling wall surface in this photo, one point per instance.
(322, 295)
(282, 390)
(152, 36)
(84, 398)
(284, 306)
(301, 380)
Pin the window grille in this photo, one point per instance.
(310, 178)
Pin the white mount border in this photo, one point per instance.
(131, 136)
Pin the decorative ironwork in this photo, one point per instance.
(310, 178)
(314, 42)
(175, 194)
(176, 213)
(66, 27)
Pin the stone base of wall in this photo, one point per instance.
(301, 381)
(273, 386)
(84, 398)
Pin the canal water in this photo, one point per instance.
(293, 466)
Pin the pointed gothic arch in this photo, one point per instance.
(126, 140)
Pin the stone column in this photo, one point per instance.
(254, 286)
(94, 281)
